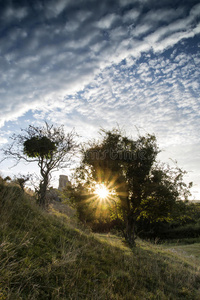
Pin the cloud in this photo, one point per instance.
(158, 94)
(51, 51)
(94, 63)
(131, 16)
(54, 9)
(11, 13)
(107, 21)
(160, 15)
(3, 140)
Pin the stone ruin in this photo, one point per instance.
(53, 194)
(63, 182)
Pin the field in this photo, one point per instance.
(191, 251)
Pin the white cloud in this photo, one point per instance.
(16, 13)
(59, 6)
(166, 15)
(141, 30)
(3, 140)
(55, 8)
(53, 59)
(71, 26)
(131, 16)
(107, 21)
(195, 11)
(174, 38)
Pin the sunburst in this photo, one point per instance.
(101, 191)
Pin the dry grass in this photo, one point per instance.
(42, 256)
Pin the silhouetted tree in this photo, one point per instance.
(7, 178)
(21, 180)
(143, 188)
(48, 146)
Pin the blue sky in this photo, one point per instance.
(91, 64)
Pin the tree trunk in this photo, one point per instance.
(43, 191)
(130, 231)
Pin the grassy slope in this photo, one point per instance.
(191, 251)
(43, 257)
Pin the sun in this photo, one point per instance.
(101, 191)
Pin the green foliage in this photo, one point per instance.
(184, 223)
(143, 187)
(39, 147)
(180, 232)
(87, 208)
(43, 257)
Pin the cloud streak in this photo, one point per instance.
(56, 49)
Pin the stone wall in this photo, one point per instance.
(63, 182)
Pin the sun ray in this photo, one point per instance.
(101, 191)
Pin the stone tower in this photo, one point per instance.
(63, 182)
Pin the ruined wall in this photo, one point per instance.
(63, 182)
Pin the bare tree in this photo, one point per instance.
(21, 180)
(48, 146)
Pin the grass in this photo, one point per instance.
(192, 251)
(44, 256)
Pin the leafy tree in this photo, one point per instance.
(83, 199)
(48, 146)
(140, 186)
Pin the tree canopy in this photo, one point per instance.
(38, 146)
(139, 185)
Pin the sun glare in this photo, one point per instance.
(102, 191)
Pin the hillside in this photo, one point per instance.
(42, 256)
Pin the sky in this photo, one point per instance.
(88, 64)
